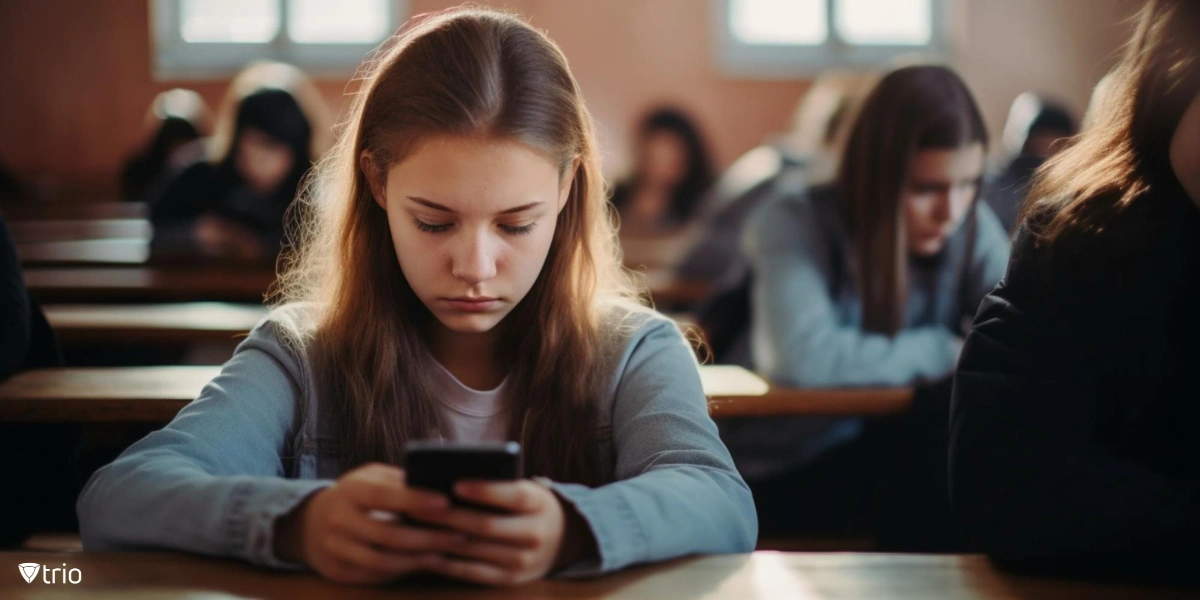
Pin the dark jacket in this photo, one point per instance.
(205, 188)
(15, 322)
(1076, 403)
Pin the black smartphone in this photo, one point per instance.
(437, 465)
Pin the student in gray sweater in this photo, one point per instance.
(867, 282)
(457, 280)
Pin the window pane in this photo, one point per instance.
(884, 22)
(792, 22)
(338, 21)
(242, 21)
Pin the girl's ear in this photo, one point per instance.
(375, 178)
(564, 188)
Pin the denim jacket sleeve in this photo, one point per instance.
(797, 337)
(213, 480)
(676, 491)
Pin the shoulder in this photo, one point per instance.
(803, 223)
(283, 337)
(631, 333)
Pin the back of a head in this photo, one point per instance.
(1030, 114)
(1123, 154)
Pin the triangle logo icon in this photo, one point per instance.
(29, 571)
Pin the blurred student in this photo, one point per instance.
(36, 455)
(176, 118)
(461, 283)
(233, 203)
(1075, 410)
(866, 283)
(671, 174)
(1036, 129)
(805, 155)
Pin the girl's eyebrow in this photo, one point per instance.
(436, 206)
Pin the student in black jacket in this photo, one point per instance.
(1077, 397)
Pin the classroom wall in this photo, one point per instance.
(76, 75)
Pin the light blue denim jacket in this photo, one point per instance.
(806, 325)
(215, 479)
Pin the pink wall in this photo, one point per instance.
(76, 75)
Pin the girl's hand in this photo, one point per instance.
(347, 532)
(538, 534)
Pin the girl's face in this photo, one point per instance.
(940, 188)
(262, 161)
(471, 220)
(664, 158)
(1185, 150)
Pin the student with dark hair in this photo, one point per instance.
(178, 117)
(672, 172)
(865, 283)
(1036, 129)
(460, 282)
(1075, 407)
(235, 203)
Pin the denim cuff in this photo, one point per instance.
(254, 506)
(620, 538)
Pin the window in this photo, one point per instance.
(199, 39)
(787, 38)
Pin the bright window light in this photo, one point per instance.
(884, 22)
(229, 21)
(338, 21)
(779, 22)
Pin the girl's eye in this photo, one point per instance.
(518, 230)
(431, 228)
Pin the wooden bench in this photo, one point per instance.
(155, 394)
(760, 575)
(148, 284)
(153, 324)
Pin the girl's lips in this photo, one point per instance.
(472, 304)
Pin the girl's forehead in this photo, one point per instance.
(469, 175)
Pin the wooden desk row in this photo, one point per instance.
(155, 394)
(140, 284)
(783, 576)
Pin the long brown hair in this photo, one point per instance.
(911, 109)
(1123, 155)
(470, 72)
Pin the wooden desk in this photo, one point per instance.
(155, 394)
(735, 392)
(656, 251)
(147, 284)
(670, 292)
(57, 230)
(33, 211)
(786, 576)
(158, 324)
(84, 253)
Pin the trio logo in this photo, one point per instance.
(30, 572)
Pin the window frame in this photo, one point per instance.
(739, 59)
(175, 59)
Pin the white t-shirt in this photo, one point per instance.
(471, 415)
